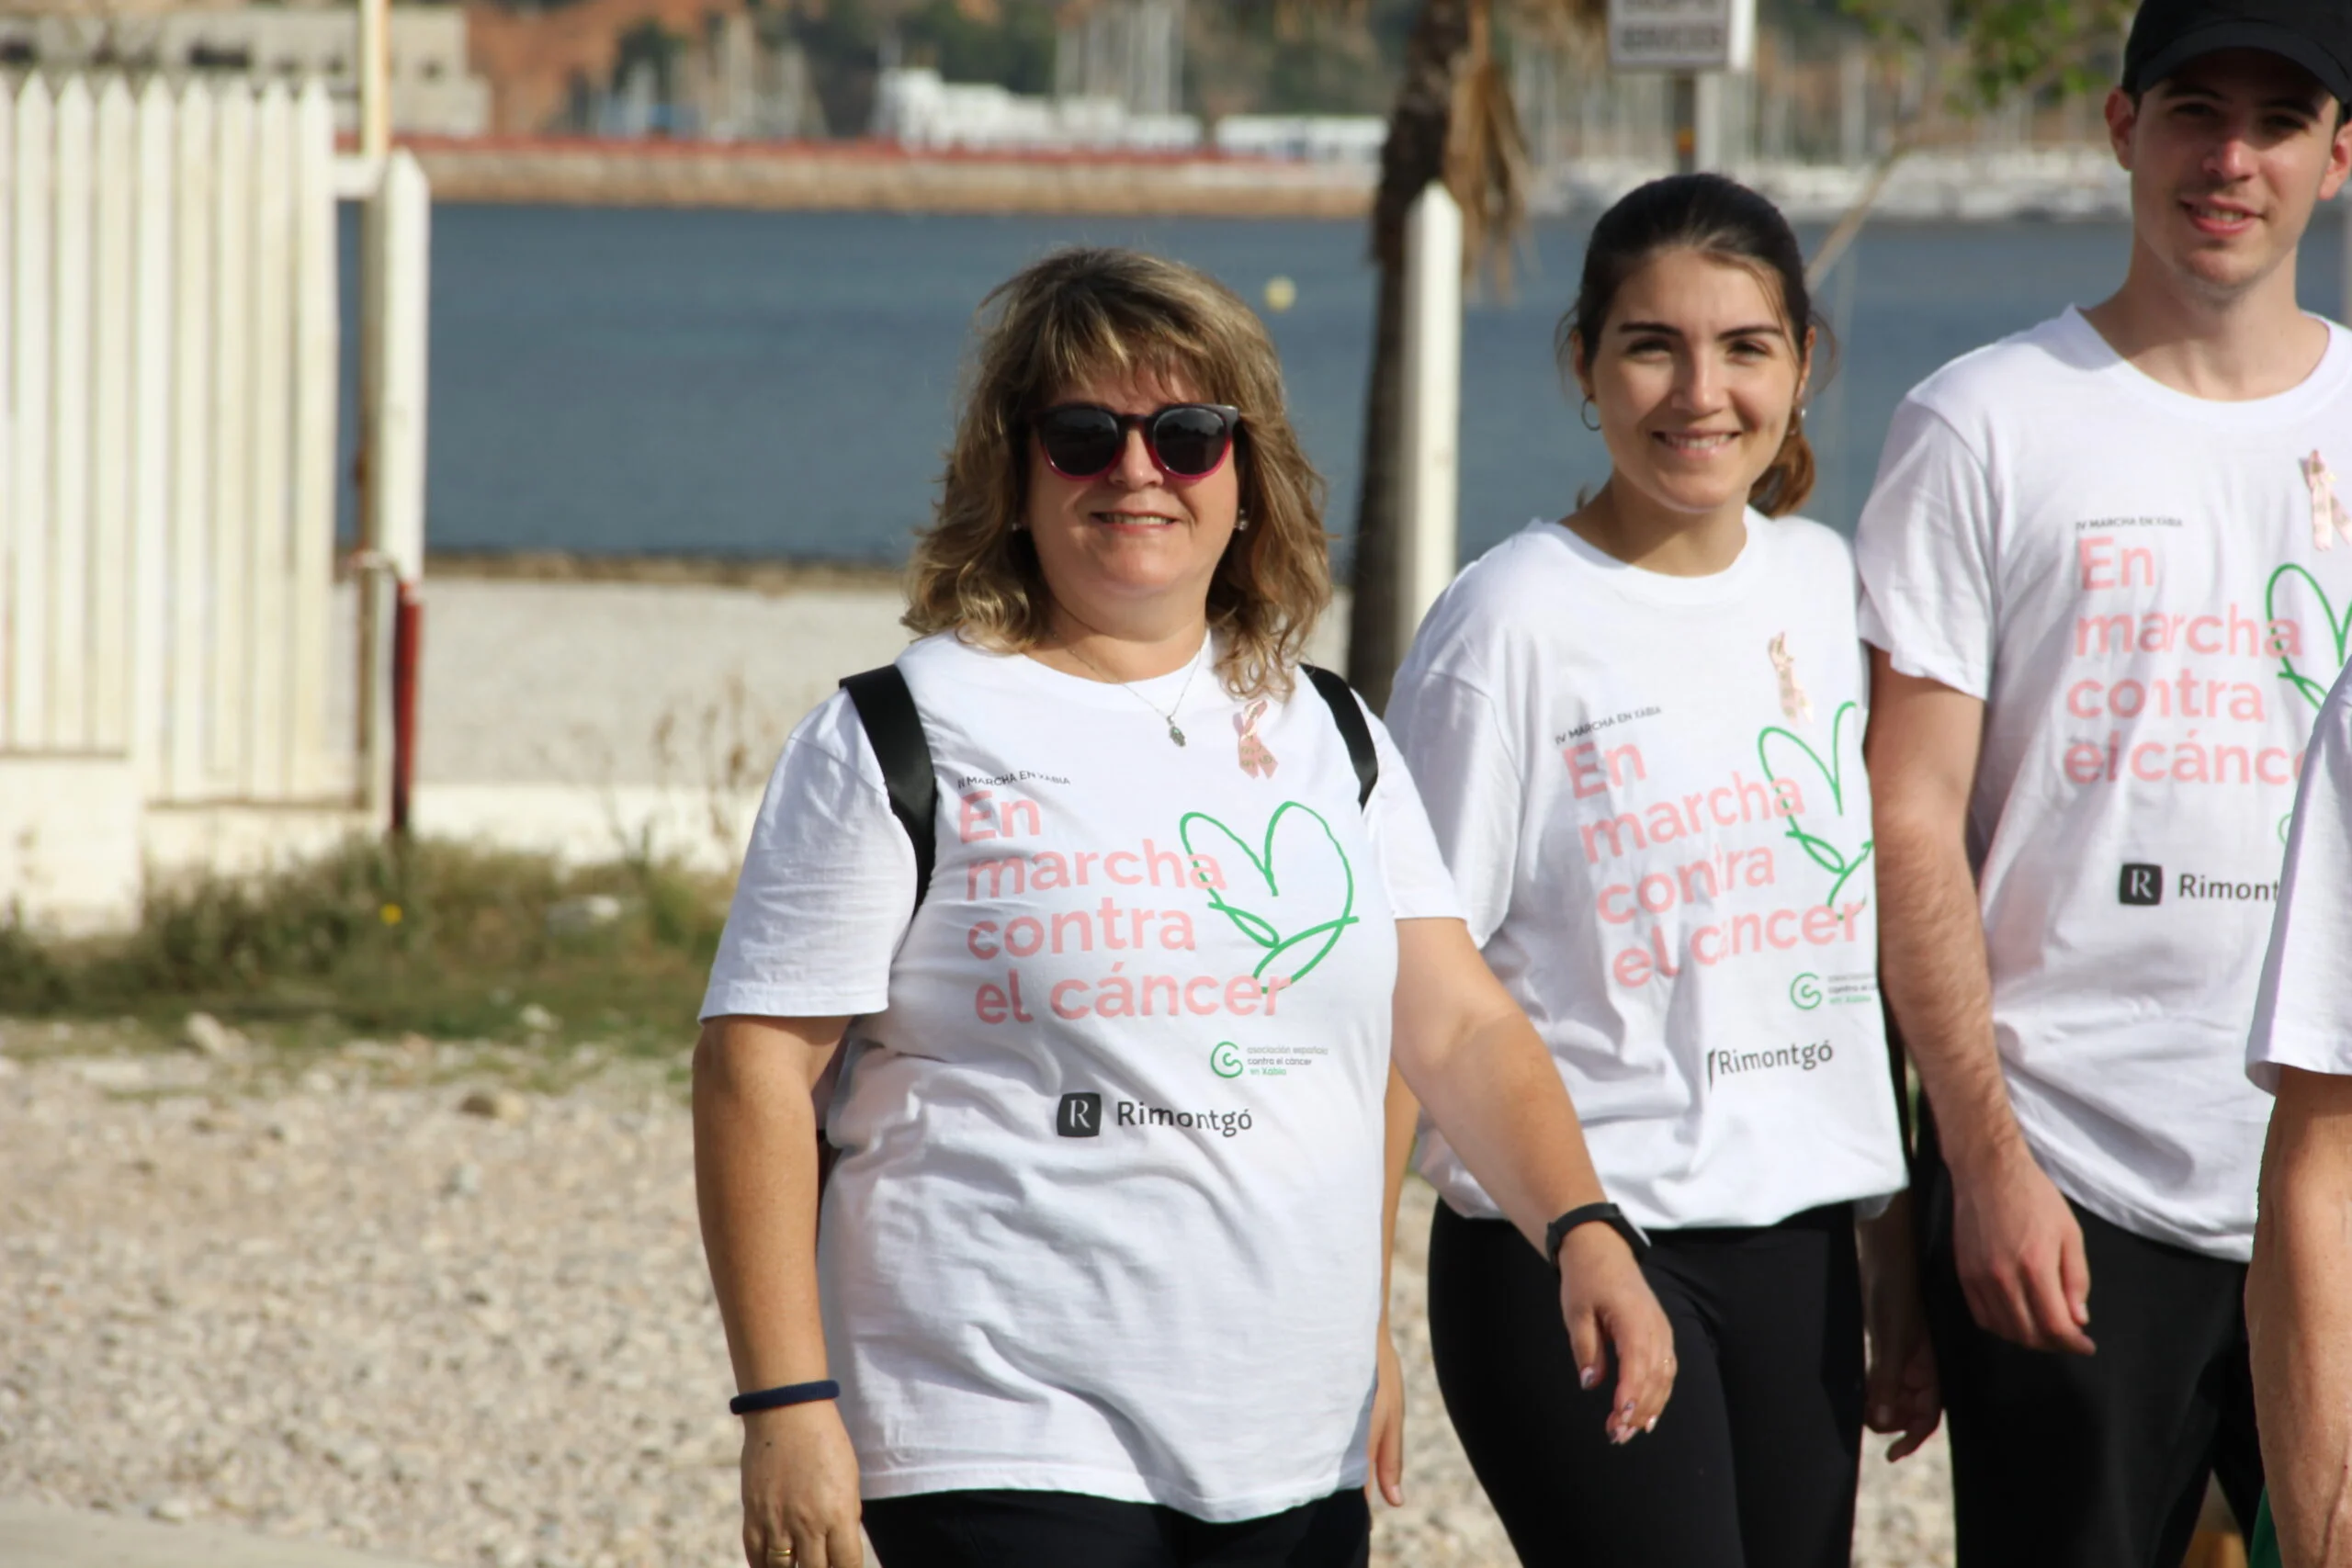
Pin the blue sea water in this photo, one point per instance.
(766, 384)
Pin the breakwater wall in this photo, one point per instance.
(869, 176)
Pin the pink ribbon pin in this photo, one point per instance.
(1256, 760)
(1795, 707)
(2328, 516)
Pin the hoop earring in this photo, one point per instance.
(1589, 416)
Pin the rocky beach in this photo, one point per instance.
(446, 1300)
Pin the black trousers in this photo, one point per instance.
(1069, 1529)
(2094, 1462)
(1754, 1463)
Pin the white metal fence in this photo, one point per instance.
(168, 363)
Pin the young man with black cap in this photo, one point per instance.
(2108, 581)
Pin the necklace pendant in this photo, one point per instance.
(1175, 734)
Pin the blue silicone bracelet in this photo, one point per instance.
(790, 1393)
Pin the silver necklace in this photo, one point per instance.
(1175, 732)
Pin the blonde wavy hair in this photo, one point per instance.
(1075, 315)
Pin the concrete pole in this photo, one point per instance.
(1682, 98)
(1710, 145)
(373, 707)
(1429, 480)
(1854, 106)
(396, 238)
(397, 444)
(375, 80)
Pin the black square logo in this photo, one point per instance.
(1080, 1116)
(2142, 884)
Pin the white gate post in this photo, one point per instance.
(263, 766)
(28, 478)
(231, 418)
(187, 699)
(152, 615)
(69, 450)
(1429, 487)
(113, 558)
(317, 390)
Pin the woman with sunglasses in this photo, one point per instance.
(1638, 730)
(1100, 1277)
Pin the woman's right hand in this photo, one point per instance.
(800, 1489)
(1608, 1305)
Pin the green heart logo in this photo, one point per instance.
(1829, 856)
(2339, 628)
(1319, 929)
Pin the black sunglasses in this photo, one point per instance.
(1187, 440)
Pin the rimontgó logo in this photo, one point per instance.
(1232, 1124)
(2144, 884)
(1803, 1057)
(1080, 1116)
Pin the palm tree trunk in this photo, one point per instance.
(1414, 154)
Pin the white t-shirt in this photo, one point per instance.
(1664, 844)
(1107, 1214)
(2303, 1016)
(2141, 586)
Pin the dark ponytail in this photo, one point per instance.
(1723, 219)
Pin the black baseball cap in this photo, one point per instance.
(2168, 34)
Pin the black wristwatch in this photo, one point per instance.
(1609, 1214)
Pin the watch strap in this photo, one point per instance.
(1609, 1214)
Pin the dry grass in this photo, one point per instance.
(440, 939)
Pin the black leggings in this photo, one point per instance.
(1069, 1529)
(1754, 1463)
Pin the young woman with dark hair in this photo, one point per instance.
(1638, 732)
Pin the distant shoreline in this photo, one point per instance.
(1966, 184)
(765, 575)
(875, 176)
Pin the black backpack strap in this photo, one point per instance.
(894, 728)
(1352, 729)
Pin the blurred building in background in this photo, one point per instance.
(1806, 126)
(1296, 83)
(713, 70)
(1118, 84)
(434, 89)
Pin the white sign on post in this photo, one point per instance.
(1681, 35)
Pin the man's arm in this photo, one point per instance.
(2299, 1315)
(2019, 1247)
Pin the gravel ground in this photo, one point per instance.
(319, 1297)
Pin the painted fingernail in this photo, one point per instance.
(1651, 1425)
(1589, 1377)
